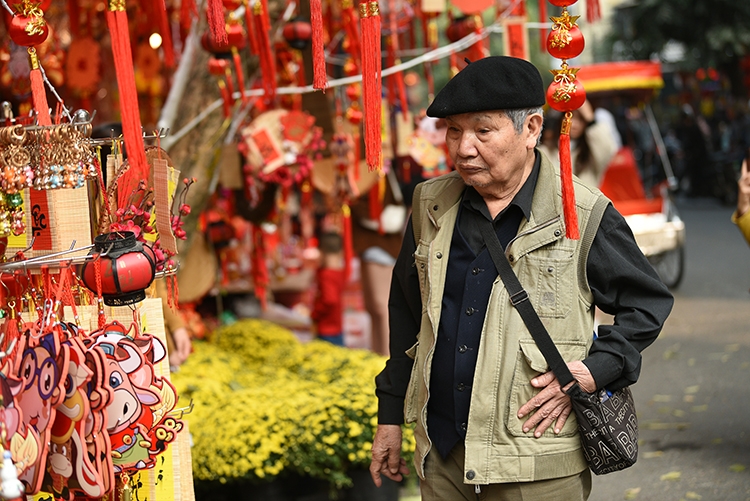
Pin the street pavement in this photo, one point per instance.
(693, 396)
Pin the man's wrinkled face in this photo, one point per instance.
(486, 149)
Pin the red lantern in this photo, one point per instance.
(217, 67)
(210, 44)
(297, 33)
(565, 40)
(236, 35)
(565, 93)
(461, 27)
(231, 4)
(127, 268)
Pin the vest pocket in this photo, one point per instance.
(411, 403)
(530, 363)
(554, 287)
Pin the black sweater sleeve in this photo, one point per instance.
(404, 317)
(625, 285)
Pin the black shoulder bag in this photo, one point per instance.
(607, 422)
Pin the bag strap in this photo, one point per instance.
(519, 298)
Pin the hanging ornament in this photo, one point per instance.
(371, 80)
(28, 28)
(320, 79)
(297, 33)
(215, 16)
(566, 94)
(565, 40)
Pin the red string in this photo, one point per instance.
(252, 37)
(101, 320)
(267, 61)
(348, 240)
(543, 31)
(160, 11)
(240, 74)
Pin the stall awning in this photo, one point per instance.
(625, 75)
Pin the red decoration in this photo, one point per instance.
(297, 33)
(565, 40)
(127, 269)
(371, 80)
(460, 28)
(593, 11)
(215, 15)
(28, 29)
(565, 93)
(117, 21)
(320, 79)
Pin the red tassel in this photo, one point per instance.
(566, 178)
(352, 34)
(39, 94)
(593, 12)
(165, 31)
(348, 240)
(226, 97)
(374, 205)
(543, 31)
(252, 38)
(117, 21)
(320, 79)
(260, 268)
(371, 81)
(240, 74)
(187, 11)
(267, 61)
(216, 22)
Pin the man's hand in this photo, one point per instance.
(182, 347)
(552, 404)
(386, 454)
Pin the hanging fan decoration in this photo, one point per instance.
(566, 94)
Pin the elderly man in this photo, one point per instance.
(491, 419)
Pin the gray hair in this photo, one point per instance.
(518, 116)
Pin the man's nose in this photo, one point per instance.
(467, 146)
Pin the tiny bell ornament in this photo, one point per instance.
(566, 94)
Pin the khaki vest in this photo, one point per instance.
(551, 269)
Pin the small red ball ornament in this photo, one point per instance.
(565, 93)
(231, 4)
(297, 33)
(28, 30)
(565, 40)
(217, 67)
(460, 28)
(562, 3)
(236, 36)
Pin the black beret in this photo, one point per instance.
(492, 83)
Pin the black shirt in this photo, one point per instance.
(622, 281)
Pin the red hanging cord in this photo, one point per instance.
(240, 74)
(543, 31)
(101, 319)
(348, 240)
(267, 61)
(371, 80)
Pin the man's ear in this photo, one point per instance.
(534, 125)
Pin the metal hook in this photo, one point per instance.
(182, 410)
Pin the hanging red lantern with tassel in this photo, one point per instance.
(566, 94)
(28, 28)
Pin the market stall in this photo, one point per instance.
(168, 158)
